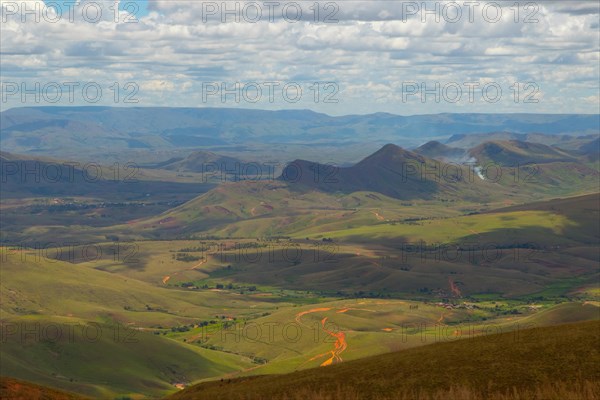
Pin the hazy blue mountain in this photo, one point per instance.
(59, 130)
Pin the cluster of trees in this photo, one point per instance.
(230, 286)
(186, 257)
(192, 249)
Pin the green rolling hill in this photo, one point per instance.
(96, 332)
(542, 363)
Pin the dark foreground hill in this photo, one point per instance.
(14, 389)
(559, 362)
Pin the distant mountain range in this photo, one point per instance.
(62, 131)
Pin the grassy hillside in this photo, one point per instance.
(267, 208)
(14, 389)
(299, 340)
(542, 222)
(112, 328)
(381, 246)
(542, 363)
(391, 185)
(131, 298)
(104, 361)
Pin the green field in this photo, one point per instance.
(559, 362)
(190, 334)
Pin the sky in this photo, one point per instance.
(337, 57)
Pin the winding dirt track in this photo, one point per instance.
(314, 310)
(455, 290)
(166, 278)
(378, 216)
(340, 345)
